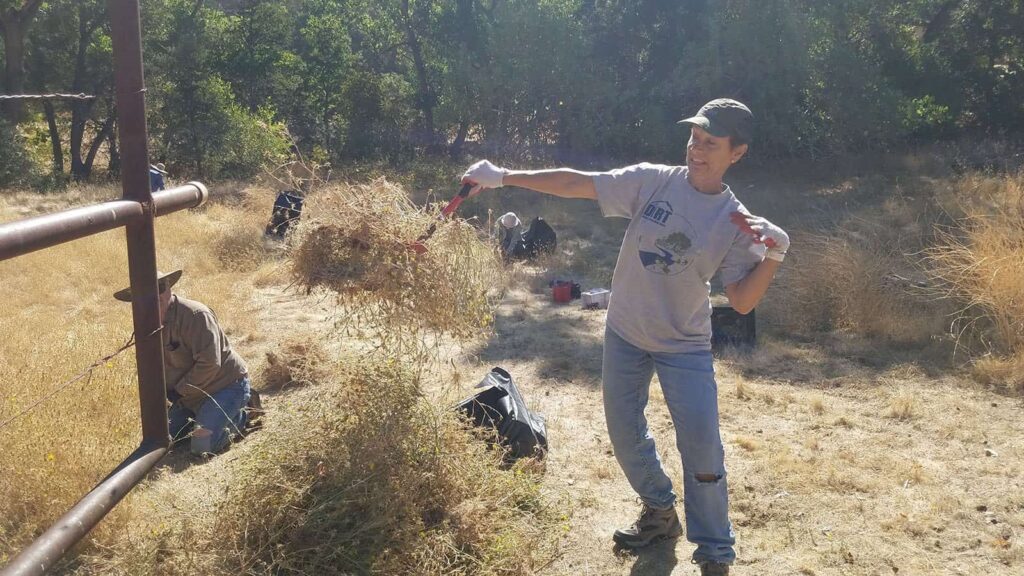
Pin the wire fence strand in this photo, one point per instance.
(64, 386)
(56, 96)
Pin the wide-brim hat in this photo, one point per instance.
(159, 168)
(164, 280)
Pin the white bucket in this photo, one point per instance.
(596, 298)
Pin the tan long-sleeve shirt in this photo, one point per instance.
(198, 360)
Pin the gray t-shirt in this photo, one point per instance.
(675, 242)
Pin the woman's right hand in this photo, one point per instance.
(484, 175)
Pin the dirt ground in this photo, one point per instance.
(845, 457)
(835, 466)
(842, 459)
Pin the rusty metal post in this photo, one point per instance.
(136, 211)
(126, 34)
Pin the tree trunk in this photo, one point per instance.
(13, 24)
(424, 96)
(58, 152)
(14, 70)
(80, 109)
(114, 158)
(105, 132)
(460, 140)
(79, 118)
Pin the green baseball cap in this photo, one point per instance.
(724, 117)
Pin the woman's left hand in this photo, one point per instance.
(764, 232)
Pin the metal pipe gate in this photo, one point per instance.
(136, 211)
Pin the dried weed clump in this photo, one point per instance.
(372, 480)
(859, 282)
(860, 270)
(355, 240)
(295, 363)
(980, 260)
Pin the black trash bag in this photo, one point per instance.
(287, 209)
(540, 238)
(501, 407)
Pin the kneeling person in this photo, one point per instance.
(207, 382)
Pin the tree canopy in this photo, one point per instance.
(569, 80)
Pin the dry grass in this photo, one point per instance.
(818, 405)
(355, 471)
(980, 261)
(355, 475)
(837, 464)
(855, 266)
(902, 406)
(49, 335)
(859, 282)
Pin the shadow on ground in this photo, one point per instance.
(833, 359)
(560, 339)
(654, 560)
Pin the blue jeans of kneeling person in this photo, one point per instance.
(222, 413)
(691, 393)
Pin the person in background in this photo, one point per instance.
(207, 382)
(685, 226)
(156, 177)
(511, 235)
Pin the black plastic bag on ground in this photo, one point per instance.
(540, 238)
(501, 407)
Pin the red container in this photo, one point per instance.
(561, 292)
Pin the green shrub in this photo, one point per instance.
(16, 167)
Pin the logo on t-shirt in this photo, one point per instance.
(658, 212)
(668, 248)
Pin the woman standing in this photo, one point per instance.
(685, 225)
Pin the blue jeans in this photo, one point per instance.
(222, 413)
(688, 384)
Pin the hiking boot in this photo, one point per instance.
(714, 569)
(253, 414)
(652, 526)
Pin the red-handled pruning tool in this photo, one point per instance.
(418, 246)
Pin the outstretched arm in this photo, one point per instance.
(562, 182)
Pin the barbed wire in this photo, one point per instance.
(60, 388)
(57, 96)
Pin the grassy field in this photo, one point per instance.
(874, 430)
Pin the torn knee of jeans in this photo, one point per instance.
(708, 478)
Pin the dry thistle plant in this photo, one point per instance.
(355, 241)
(979, 261)
(853, 279)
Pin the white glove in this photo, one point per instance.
(485, 175)
(764, 232)
(509, 220)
